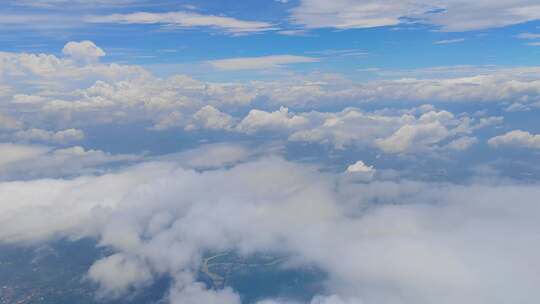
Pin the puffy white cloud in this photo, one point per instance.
(449, 15)
(117, 274)
(34, 77)
(360, 171)
(12, 153)
(465, 84)
(50, 136)
(411, 137)
(185, 20)
(31, 161)
(258, 120)
(83, 51)
(258, 63)
(186, 291)
(210, 118)
(462, 143)
(66, 92)
(392, 133)
(359, 166)
(516, 138)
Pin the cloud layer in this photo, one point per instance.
(384, 241)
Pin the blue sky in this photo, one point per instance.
(349, 49)
(402, 135)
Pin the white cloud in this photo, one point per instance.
(214, 156)
(424, 241)
(516, 138)
(360, 171)
(12, 153)
(185, 20)
(258, 120)
(449, 41)
(50, 136)
(392, 133)
(530, 36)
(462, 143)
(449, 15)
(49, 89)
(72, 3)
(132, 94)
(411, 137)
(258, 63)
(210, 118)
(453, 84)
(359, 166)
(117, 274)
(19, 161)
(83, 51)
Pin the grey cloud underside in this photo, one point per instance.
(380, 242)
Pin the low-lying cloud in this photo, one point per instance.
(380, 241)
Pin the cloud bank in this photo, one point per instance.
(380, 242)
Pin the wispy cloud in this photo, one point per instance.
(528, 36)
(257, 63)
(449, 41)
(450, 16)
(72, 3)
(185, 20)
(342, 53)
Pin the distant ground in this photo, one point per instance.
(55, 274)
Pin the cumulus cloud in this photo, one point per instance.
(117, 274)
(83, 51)
(360, 171)
(415, 136)
(258, 120)
(66, 92)
(210, 118)
(359, 166)
(20, 161)
(50, 136)
(12, 153)
(391, 133)
(516, 138)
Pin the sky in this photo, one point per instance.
(402, 135)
